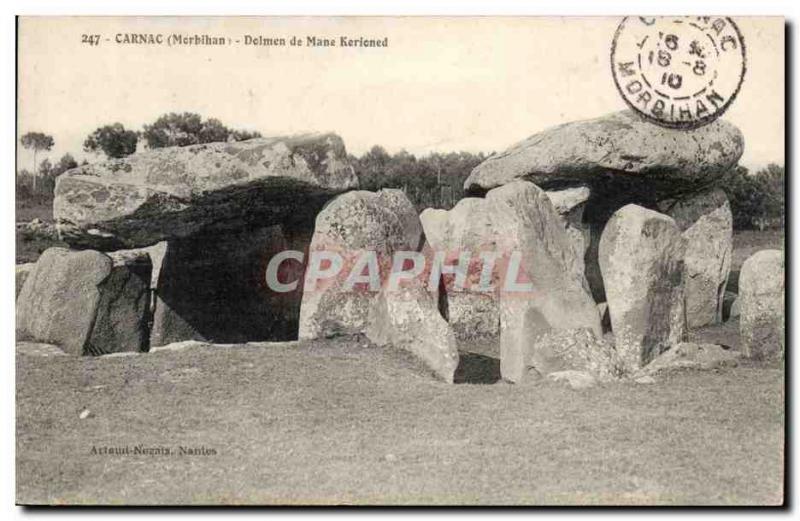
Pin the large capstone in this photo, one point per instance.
(761, 305)
(178, 192)
(86, 302)
(641, 259)
(620, 149)
(356, 234)
(706, 222)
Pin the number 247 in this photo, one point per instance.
(91, 39)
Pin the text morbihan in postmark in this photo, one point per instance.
(678, 72)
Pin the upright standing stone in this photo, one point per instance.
(351, 228)
(641, 259)
(86, 302)
(730, 306)
(21, 275)
(543, 230)
(466, 230)
(570, 204)
(706, 222)
(529, 229)
(408, 318)
(435, 224)
(123, 313)
(761, 298)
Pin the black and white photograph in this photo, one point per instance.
(400, 260)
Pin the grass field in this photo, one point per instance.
(344, 422)
(28, 209)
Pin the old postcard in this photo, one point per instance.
(400, 260)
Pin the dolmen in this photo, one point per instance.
(643, 204)
(202, 223)
(585, 252)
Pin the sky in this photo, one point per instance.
(442, 84)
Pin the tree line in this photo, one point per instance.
(758, 201)
(435, 180)
(114, 141)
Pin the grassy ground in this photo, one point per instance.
(28, 210)
(344, 422)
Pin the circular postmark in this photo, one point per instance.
(678, 72)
